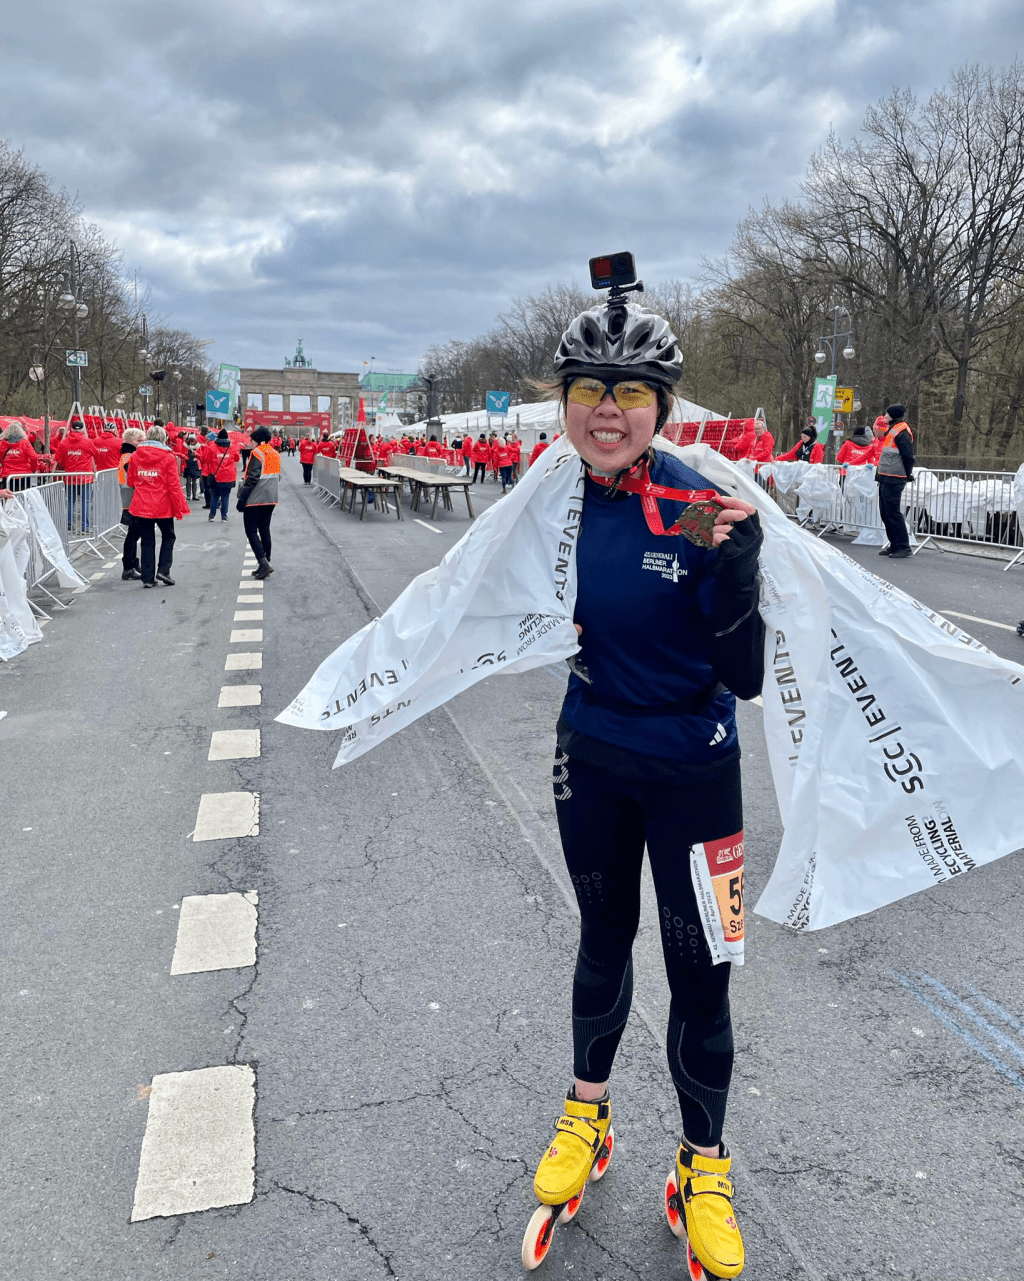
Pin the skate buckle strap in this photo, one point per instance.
(581, 1128)
(701, 1185)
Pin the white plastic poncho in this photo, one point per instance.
(896, 740)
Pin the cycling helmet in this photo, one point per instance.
(620, 337)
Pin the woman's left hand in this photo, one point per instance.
(733, 510)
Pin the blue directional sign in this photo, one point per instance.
(498, 402)
(218, 404)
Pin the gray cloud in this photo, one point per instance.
(378, 178)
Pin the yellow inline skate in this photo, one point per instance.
(698, 1205)
(579, 1153)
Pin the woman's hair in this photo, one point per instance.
(13, 432)
(157, 433)
(558, 389)
(134, 435)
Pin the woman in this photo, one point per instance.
(17, 458)
(223, 472)
(503, 457)
(806, 450)
(156, 500)
(130, 566)
(193, 472)
(648, 755)
(258, 497)
(481, 457)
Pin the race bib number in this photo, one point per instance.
(717, 871)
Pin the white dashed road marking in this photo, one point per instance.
(249, 600)
(248, 616)
(109, 564)
(243, 662)
(96, 577)
(215, 932)
(240, 696)
(1006, 627)
(433, 528)
(233, 744)
(225, 814)
(241, 634)
(199, 1149)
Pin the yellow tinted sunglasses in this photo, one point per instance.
(628, 394)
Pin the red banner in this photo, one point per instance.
(278, 418)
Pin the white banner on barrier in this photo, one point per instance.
(896, 740)
(18, 627)
(48, 539)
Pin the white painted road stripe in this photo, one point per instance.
(234, 744)
(248, 616)
(249, 600)
(242, 634)
(240, 696)
(109, 564)
(433, 528)
(243, 662)
(243, 585)
(96, 577)
(224, 814)
(215, 932)
(199, 1149)
(1006, 627)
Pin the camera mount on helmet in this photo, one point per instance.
(617, 274)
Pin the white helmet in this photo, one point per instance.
(619, 337)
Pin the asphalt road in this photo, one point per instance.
(408, 1015)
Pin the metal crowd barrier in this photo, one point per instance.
(974, 507)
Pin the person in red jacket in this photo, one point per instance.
(481, 457)
(157, 499)
(432, 449)
(206, 454)
(307, 455)
(862, 448)
(467, 451)
(329, 448)
(226, 453)
(108, 448)
(75, 455)
(538, 449)
(503, 456)
(806, 450)
(17, 457)
(757, 442)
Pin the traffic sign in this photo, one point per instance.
(498, 402)
(218, 404)
(146, 391)
(77, 358)
(844, 400)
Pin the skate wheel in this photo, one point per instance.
(695, 1267)
(603, 1157)
(537, 1238)
(568, 1211)
(674, 1205)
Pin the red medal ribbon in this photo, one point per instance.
(650, 493)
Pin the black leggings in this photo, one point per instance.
(604, 822)
(257, 529)
(479, 470)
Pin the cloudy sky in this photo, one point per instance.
(377, 177)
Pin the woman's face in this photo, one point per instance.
(607, 437)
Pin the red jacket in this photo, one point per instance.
(108, 450)
(481, 451)
(538, 449)
(760, 450)
(432, 449)
(76, 453)
(329, 449)
(17, 458)
(855, 455)
(153, 476)
(307, 450)
(467, 446)
(502, 455)
(225, 462)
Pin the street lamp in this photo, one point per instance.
(831, 341)
(68, 301)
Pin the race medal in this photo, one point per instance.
(697, 523)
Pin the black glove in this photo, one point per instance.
(240, 505)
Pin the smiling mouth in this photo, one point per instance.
(608, 437)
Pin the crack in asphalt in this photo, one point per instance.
(363, 1228)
